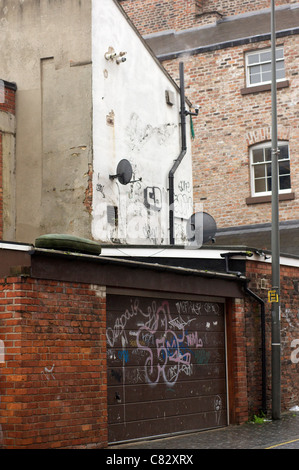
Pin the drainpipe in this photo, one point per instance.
(180, 157)
(178, 161)
(263, 324)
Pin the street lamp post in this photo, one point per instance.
(275, 242)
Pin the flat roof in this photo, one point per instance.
(114, 256)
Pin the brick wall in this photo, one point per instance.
(257, 272)
(53, 375)
(53, 381)
(152, 16)
(229, 122)
(8, 104)
(236, 350)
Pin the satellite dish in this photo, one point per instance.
(201, 228)
(123, 172)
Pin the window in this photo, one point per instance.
(258, 67)
(260, 157)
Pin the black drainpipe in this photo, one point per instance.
(263, 324)
(263, 337)
(180, 157)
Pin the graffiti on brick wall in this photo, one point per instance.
(47, 373)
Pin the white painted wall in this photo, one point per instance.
(131, 120)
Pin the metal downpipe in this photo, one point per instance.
(180, 157)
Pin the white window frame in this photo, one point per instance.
(266, 145)
(263, 63)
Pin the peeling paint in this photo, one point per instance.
(88, 191)
(110, 118)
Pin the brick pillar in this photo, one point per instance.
(53, 382)
(237, 367)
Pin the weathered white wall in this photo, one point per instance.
(131, 120)
(78, 115)
(46, 50)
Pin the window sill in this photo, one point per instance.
(259, 88)
(263, 199)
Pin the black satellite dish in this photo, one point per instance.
(201, 228)
(124, 173)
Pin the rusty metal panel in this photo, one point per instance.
(166, 366)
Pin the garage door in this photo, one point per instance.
(166, 366)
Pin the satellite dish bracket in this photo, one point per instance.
(113, 177)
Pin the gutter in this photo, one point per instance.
(227, 256)
(130, 263)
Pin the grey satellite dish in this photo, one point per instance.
(201, 228)
(124, 173)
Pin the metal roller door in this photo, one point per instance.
(166, 366)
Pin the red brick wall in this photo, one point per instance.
(289, 333)
(237, 371)
(53, 381)
(228, 123)
(151, 16)
(9, 104)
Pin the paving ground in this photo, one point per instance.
(277, 434)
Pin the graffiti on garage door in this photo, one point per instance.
(169, 338)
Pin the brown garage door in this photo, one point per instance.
(166, 366)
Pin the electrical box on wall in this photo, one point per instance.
(170, 98)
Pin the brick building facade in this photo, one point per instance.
(155, 16)
(234, 121)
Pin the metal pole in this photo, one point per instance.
(275, 242)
